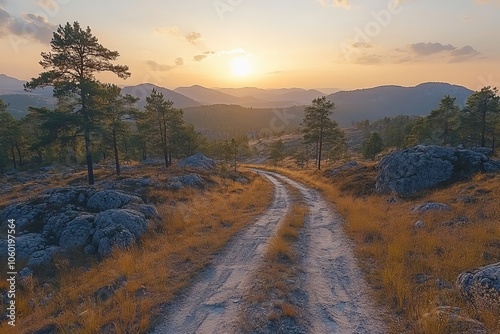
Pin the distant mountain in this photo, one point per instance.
(12, 92)
(143, 90)
(9, 85)
(288, 96)
(209, 96)
(379, 102)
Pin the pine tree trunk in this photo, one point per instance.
(115, 147)
(19, 155)
(13, 155)
(88, 153)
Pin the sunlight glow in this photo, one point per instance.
(241, 67)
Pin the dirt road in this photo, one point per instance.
(336, 293)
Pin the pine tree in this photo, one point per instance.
(75, 58)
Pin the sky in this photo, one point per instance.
(345, 44)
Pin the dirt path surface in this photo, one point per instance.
(337, 299)
(211, 304)
(336, 294)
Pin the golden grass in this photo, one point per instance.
(195, 225)
(395, 255)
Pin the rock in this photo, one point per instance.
(24, 273)
(23, 214)
(449, 319)
(77, 233)
(111, 199)
(153, 162)
(43, 257)
(117, 227)
(75, 218)
(441, 284)
(184, 181)
(69, 195)
(432, 206)
(198, 161)
(347, 166)
(28, 244)
(421, 278)
(49, 329)
(419, 224)
(420, 168)
(482, 285)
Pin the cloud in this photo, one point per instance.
(463, 54)
(199, 58)
(334, 3)
(48, 4)
(193, 37)
(155, 67)
(426, 49)
(30, 26)
(179, 61)
(174, 31)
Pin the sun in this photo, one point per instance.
(241, 67)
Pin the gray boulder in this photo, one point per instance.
(68, 195)
(481, 284)
(414, 170)
(117, 227)
(77, 233)
(344, 167)
(23, 214)
(184, 181)
(198, 161)
(110, 199)
(28, 244)
(43, 257)
(432, 206)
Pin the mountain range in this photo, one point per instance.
(266, 104)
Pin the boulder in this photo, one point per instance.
(198, 161)
(111, 199)
(117, 227)
(75, 218)
(77, 233)
(432, 206)
(482, 285)
(184, 181)
(420, 168)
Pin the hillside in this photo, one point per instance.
(379, 102)
(143, 90)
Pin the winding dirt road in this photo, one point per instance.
(336, 292)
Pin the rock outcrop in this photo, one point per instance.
(197, 161)
(482, 285)
(184, 181)
(416, 169)
(76, 218)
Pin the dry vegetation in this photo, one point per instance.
(272, 300)
(413, 270)
(124, 293)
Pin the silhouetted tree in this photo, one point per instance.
(75, 58)
(277, 153)
(317, 124)
(444, 120)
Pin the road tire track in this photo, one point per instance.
(211, 304)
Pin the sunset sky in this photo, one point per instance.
(270, 43)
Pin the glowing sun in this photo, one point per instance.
(241, 67)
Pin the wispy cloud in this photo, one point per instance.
(238, 52)
(192, 37)
(426, 49)
(179, 61)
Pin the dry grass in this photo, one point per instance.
(124, 293)
(271, 299)
(412, 270)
